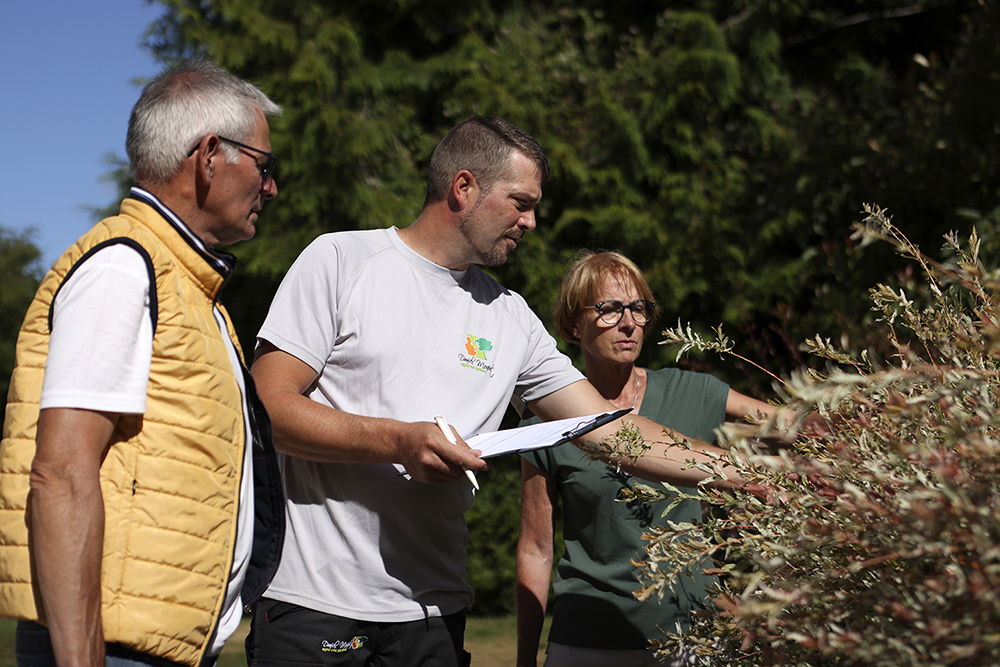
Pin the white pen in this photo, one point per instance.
(443, 425)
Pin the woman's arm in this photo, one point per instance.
(535, 553)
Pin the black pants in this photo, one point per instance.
(287, 635)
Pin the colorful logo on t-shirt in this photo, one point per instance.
(475, 355)
(477, 347)
(343, 645)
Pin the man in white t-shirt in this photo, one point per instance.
(370, 336)
(131, 415)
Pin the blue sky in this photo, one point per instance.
(66, 90)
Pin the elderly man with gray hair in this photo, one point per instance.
(140, 504)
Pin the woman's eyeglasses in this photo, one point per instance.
(611, 312)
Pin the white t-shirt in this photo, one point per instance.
(391, 334)
(102, 335)
(100, 351)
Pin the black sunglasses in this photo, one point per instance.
(265, 167)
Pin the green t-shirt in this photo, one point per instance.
(594, 606)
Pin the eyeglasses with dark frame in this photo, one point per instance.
(265, 167)
(611, 312)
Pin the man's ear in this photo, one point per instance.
(209, 156)
(207, 159)
(464, 191)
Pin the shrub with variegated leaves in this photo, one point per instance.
(875, 541)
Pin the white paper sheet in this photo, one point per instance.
(537, 436)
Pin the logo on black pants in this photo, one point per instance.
(342, 646)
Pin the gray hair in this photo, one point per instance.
(179, 107)
(483, 146)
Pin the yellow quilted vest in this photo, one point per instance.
(170, 478)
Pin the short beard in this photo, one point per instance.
(491, 256)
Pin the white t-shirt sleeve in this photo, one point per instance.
(101, 342)
(545, 369)
(302, 319)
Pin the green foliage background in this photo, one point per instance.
(726, 146)
(19, 276)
